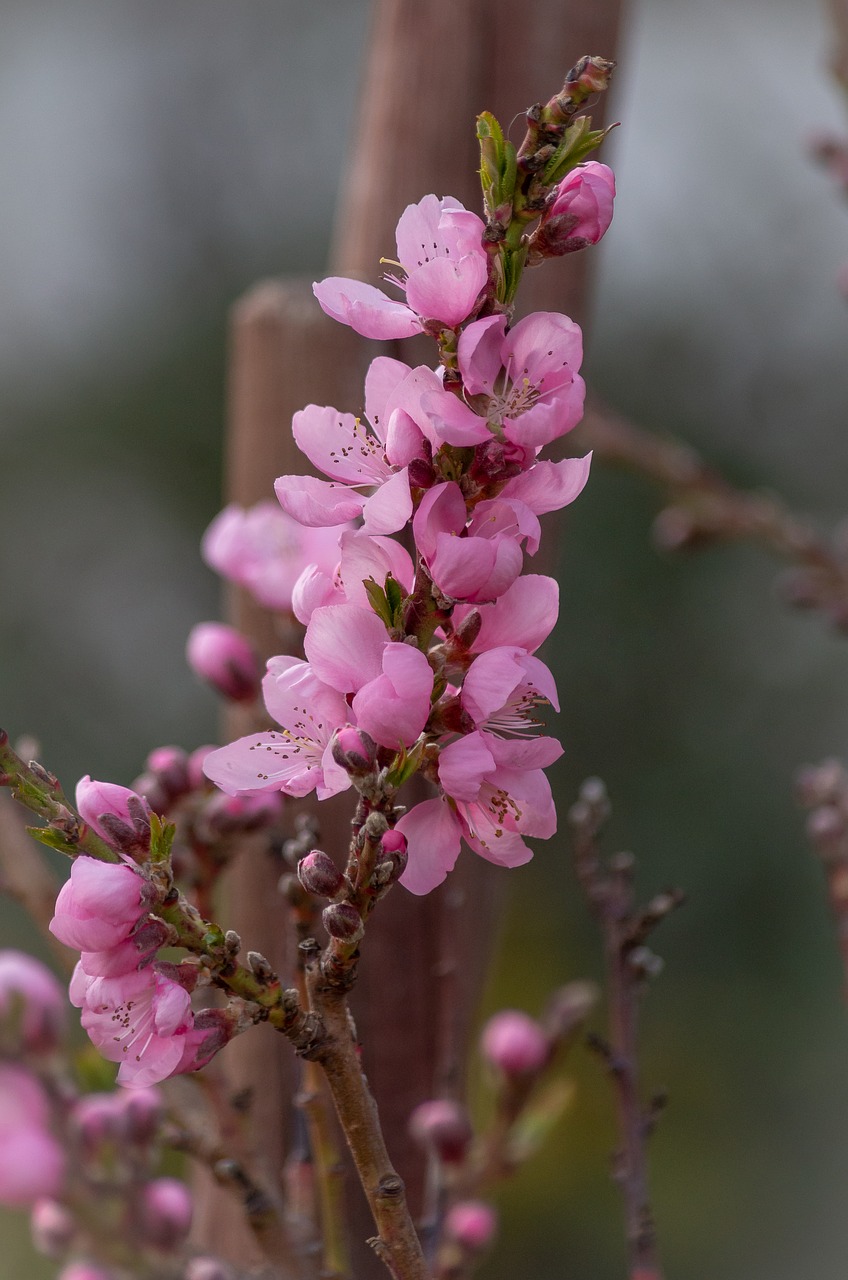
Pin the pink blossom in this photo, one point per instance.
(502, 688)
(445, 267)
(476, 563)
(99, 906)
(524, 382)
(296, 758)
(31, 1001)
(523, 617)
(32, 1164)
(580, 213)
(139, 1020)
(264, 549)
(363, 556)
(356, 454)
(225, 659)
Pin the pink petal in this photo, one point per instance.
(433, 837)
(479, 354)
(389, 507)
(344, 645)
(365, 309)
(464, 764)
(317, 503)
(381, 381)
(524, 616)
(545, 347)
(452, 420)
(339, 444)
(548, 486)
(445, 290)
(395, 707)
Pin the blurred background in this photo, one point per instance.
(155, 164)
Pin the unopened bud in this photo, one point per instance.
(579, 214)
(354, 750)
(84, 1271)
(343, 921)
(515, 1043)
(319, 875)
(225, 659)
(472, 1224)
(52, 1226)
(165, 1209)
(826, 828)
(394, 854)
(197, 779)
(100, 1121)
(443, 1127)
(422, 474)
(32, 1004)
(143, 1111)
(118, 815)
(170, 766)
(150, 788)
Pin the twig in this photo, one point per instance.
(823, 790)
(609, 891)
(703, 507)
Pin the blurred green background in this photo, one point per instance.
(154, 168)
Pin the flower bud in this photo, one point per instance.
(472, 1224)
(515, 1043)
(170, 766)
(579, 214)
(52, 1226)
(319, 875)
(207, 1269)
(225, 659)
(100, 1122)
(343, 921)
(225, 815)
(444, 1127)
(32, 1004)
(393, 856)
(197, 779)
(354, 750)
(150, 788)
(118, 815)
(165, 1210)
(143, 1111)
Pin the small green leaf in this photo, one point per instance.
(395, 596)
(54, 840)
(404, 765)
(539, 1117)
(378, 600)
(161, 838)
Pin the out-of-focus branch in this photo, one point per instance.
(839, 55)
(823, 790)
(629, 963)
(703, 507)
(24, 875)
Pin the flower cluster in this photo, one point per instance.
(432, 657)
(135, 1014)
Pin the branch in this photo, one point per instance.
(703, 508)
(624, 928)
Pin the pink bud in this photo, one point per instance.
(225, 659)
(100, 1121)
(53, 1227)
(32, 1004)
(393, 855)
(100, 905)
(443, 1126)
(354, 750)
(472, 1224)
(170, 766)
(118, 815)
(143, 1111)
(165, 1210)
(580, 213)
(515, 1043)
(319, 875)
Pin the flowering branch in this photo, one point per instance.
(624, 928)
(704, 508)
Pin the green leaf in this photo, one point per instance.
(539, 1117)
(54, 840)
(161, 838)
(378, 600)
(404, 765)
(577, 143)
(395, 596)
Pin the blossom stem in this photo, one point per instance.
(396, 1244)
(39, 791)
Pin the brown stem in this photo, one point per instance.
(396, 1243)
(704, 507)
(610, 893)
